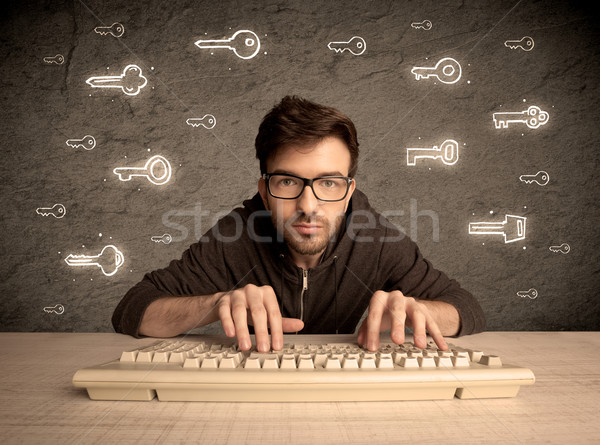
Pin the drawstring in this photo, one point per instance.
(281, 256)
(336, 291)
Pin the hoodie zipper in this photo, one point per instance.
(304, 289)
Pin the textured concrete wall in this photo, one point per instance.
(45, 103)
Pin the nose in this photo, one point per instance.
(307, 202)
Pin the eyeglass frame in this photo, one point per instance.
(308, 182)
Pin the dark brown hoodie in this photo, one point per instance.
(369, 254)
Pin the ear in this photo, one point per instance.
(350, 192)
(262, 189)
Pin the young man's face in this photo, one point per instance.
(306, 222)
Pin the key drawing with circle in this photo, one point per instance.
(447, 70)
(356, 46)
(540, 178)
(425, 24)
(208, 121)
(512, 228)
(244, 43)
(564, 248)
(88, 142)
(533, 117)
(56, 309)
(526, 43)
(166, 239)
(157, 170)
(57, 210)
(131, 81)
(447, 152)
(531, 293)
(115, 30)
(57, 59)
(109, 260)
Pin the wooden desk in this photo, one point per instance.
(38, 403)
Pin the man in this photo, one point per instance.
(306, 254)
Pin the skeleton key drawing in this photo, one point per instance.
(130, 82)
(512, 228)
(108, 260)
(58, 59)
(564, 248)
(57, 309)
(356, 45)
(166, 238)
(244, 43)
(447, 70)
(88, 142)
(57, 210)
(540, 178)
(531, 293)
(151, 170)
(116, 30)
(526, 43)
(533, 117)
(447, 152)
(425, 24)
(208, 121)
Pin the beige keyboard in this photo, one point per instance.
(309, 368)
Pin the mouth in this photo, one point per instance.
(307, 229)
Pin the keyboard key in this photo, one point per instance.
(192, 362)
(367, 362)
(210, 363)
(426, 362)
(490, 360)
(332, 363)
(409, 362)
(385, 362)
(252, 363)
(305, 363)
(128, 356)
(144, 357)
(350, 362)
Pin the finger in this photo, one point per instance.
(436, 334)
(397, 317)
(292, 324)
(360, 339)
(224, 310)
(376, 308)
(273, 317)
(419, 332)
(240, 318)
(258, 314)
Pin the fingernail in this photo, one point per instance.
(371, 346)
(264, 347)
(420, 339)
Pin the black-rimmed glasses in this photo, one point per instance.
(326, 188)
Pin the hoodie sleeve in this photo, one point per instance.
(406, 270)
(200, 271)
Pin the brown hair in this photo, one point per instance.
(299, 121)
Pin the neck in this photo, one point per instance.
(306, 261)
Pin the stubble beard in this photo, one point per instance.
(309, 244)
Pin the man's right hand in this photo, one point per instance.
(256, 306)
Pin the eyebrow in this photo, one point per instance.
(320, 175)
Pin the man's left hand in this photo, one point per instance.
(395, 311)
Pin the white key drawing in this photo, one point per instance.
(447, 152)
(564, 248)
(208, 121)
(532, 116)
(108, 260)
(447, 70)
(166, 238)
(540, 178)
(88, 142)
(356, 45)
(244, 43)
(115, 30)
(130, 82)
(512, 228)
(531, 293)
(157, 170)
(425, 24)
(58, 59)
(57, 309)
(526, 43)
(57, 210)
